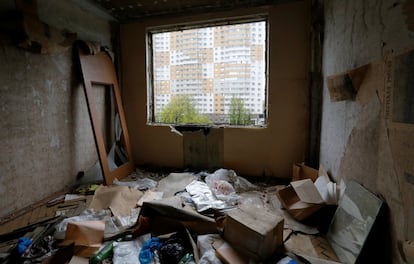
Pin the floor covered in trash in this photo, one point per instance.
(216, 217)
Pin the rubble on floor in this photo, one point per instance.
(188, 217)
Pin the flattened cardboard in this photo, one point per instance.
(120, 199)
(174, 182)
(315, 247)
(149, 196)
(168, 213)
(85, 233)
(253, 233)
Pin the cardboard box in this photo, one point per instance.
(301, 199)
(227, 254)
(254, 233)
(301, 171)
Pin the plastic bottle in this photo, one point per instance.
(103, 254)
(187, 259)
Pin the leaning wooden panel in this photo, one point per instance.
(98, 69)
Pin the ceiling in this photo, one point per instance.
(129, 10)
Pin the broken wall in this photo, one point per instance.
(45, 130)
(357, 140)
(266, 151)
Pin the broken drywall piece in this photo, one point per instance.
(344, 86)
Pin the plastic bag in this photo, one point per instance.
(140, 184)
(125, 253)
(207, 252)
(203, 197)
(88, 215)
(146, 255)
(239, 184)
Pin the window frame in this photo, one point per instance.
(150, 87)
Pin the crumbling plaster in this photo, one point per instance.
(45, 130)
(355, 140)
(356, 33)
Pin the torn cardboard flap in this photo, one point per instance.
(307, 191)
(301, 198)
(119, 199)
(301, 171)
(311, 190)
(344, 86)
(149, 196)
(328, 190)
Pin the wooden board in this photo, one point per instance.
(99, 69)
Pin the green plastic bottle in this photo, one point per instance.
(103, 254)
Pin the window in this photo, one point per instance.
(225, 67)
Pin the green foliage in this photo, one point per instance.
(239, 115)
(181, 111)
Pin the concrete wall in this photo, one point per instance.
(269, 151)
(46, 135)
(356, 140)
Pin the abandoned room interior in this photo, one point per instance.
(178, 131)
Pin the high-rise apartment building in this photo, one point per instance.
(211, 66)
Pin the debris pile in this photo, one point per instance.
(216, 217)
